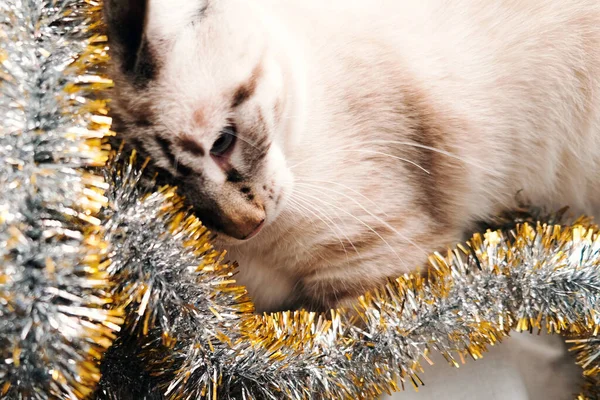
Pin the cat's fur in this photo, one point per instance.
(370, 132)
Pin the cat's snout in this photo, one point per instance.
(236, 220)
(245, 223)
(237, 212)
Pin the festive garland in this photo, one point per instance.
(543, 277)
(54, 322)
(78, 250)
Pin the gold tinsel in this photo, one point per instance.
(56, 315)
(536, 277)
(188, 324)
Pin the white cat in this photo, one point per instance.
(333, 144)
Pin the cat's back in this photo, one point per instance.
(498, 46)
(465, 33)
(518, 72)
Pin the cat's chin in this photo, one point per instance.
(222, 239)
(255, 232)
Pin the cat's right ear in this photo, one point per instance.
(126, 21)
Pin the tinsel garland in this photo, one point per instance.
(541, 277)
(67, 269)
(54, 322)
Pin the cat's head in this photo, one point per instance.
(199, 91)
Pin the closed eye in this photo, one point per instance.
(225, 142)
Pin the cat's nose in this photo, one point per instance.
(243, 224)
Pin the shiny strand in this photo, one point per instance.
(198, 337)
(171, 280)
(54, 324)
(543, 277)
(79, 250)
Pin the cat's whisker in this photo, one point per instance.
(340, 149)
(317, 199)
(331, 226)
(399, 142)
(346, 187)
(386, 224)
(302, 211)
(303, 205)
(254, 145)
(308, 203)
(391, 156)
(434, 149)
(309, 206)
(366, 151)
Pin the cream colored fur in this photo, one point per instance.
(509, 88)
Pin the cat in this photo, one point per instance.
(332, 145)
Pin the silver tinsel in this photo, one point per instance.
(52, 284)
(67, 269)
(172, 281)
(198, 338)
(543, 278)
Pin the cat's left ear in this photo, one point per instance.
(126, 22)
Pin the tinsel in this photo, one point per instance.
(206, 343)
(53, 321)
(172, 281)
(67, 268)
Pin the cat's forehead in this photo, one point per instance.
(214, 47)
(167, 17)
(207, 30)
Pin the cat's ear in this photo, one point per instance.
(126, 20)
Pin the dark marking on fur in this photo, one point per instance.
(143, 115)
(146, 66)
(190, 145)
(242, 95)
(426, 132)
(210, 213)
(125, 21)
(245, 190)
(266, 145)
(201, 13)
(119, 124)
(278, 110)
(129, 46)
(138, 145)
(409, 115)
(234, 176)
(258, 135)
(163, 176)
(246, 90)
(165, 147)
(184, 170)
(358, 243)
(143, 123)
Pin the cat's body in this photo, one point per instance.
(380, 130)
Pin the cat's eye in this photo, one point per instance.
(224, 143)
